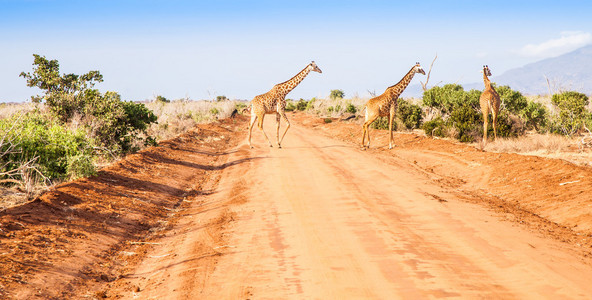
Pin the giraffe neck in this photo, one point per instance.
(486, 81)
(287, 86)
(396, 90)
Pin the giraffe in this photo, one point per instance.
(386, 105)
(490, 102)
(274, 101)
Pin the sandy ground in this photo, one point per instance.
(205, 217)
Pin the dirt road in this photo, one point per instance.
(202, 216)
(321, 219)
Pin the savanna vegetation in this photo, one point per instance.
(72, 128)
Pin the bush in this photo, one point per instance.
(572, 112)
(535, 116)
(310, 104)
(301, 105)
(350, 108)
(460, 116)
(410, 114)
(435, 127)
(115, 124)
(240, 107)
(81, 165)
(162, 99)
(290, 106)
(512, 100)
(466, 121)
(336, 94)
(52, 144)
(508, 125)
(449, 97)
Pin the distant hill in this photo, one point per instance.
(571, 71)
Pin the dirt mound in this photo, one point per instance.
(66, 239)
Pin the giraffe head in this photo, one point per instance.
(486, 71)
(314, 67)
(418, 69)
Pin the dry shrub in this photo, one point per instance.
(531, 143)
(179, 116)
(9, 109)
(545, 145)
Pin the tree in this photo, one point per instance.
(114, 123)
(336, 94)
(572, 112)
(424, 86)
(61, 92)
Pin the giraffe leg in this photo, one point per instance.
(485, 121)
(287, 127)
(494, 123)
(391, 116)
(253, 119)
(277, 134)
(366, 132)
(261, 127)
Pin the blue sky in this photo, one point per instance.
(202, 49)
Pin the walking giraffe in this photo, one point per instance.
(490, 102)
(274, 101)
(386, 105)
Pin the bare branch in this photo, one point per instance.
(548, 85)
(425, 85)
(373, 93)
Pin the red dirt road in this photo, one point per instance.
(321, 219)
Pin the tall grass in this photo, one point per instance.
(178, 116)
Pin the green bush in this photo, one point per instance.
(449, 97)
(54, 146)
(466, 121)
(162, 99)
(572, 112)
(336, 94)
(301, 105)
(513, 101)
(115, 124)
(310, 104)
(435, 127)
(240, 106)
(535, 116)
(508, 125)
(350, 108)
(459, 113)
(290, 106)
(410, 114)
(382, 123)
(81, 165)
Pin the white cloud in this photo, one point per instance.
(569, 41)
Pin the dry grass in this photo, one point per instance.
(180, 115)
(9, 109)
(334, 108)
(545, 145)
